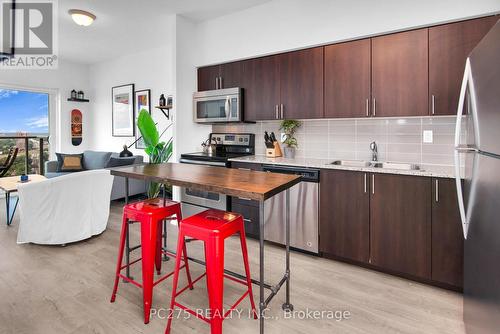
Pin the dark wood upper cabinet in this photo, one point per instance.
(231, 75)
(347, 79)
(400, 224)
(261, 84)
(412, 73)
(227, 75)
(208, 77)
(344, 215)
(301, 83)
(449, 46)
(400, 74)
(447, 237)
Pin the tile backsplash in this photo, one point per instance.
(398, 139)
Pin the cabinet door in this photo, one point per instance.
(449, 46)
(261, 88)
(400, 224)
(347, 79)
(400, 74)
(250, 215)
(447, 237)
(301, 85)
(249, 209)
(344, 214)
(231, 75)
(207, 77)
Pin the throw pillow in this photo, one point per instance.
(95, 159)
(117, 162)
(69, 162)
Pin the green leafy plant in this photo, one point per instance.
(289, 127)
(158, 152)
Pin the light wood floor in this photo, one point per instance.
(53, 289)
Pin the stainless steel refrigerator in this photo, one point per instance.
(477, 164)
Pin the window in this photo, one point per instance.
(24, 122)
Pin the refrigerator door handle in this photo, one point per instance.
(461, 148)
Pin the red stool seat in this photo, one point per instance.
(212, 227)
(150, 214)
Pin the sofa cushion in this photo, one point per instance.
(95, 159)
(51, 175)
(117, 162)
(69, 162)
(139, 159)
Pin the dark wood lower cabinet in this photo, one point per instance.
(247, 208)
(250, 215)
(344, 215)
(447, 237)
(400, 224)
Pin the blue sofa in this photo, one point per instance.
(99, 160)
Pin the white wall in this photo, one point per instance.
(190, 134)
(151, 68)
(283, 25)
(59, 82)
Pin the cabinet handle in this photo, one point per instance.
(433, 104)
(245, 199)
(216, 83)
(244, 168)
(276, 110)
(220, 82)
(247, 220)
(365, 184)
(367, 107)
(374, 107)
(281, 108)
(373, 184)
(437, 191)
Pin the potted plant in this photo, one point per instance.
(158, 152)
(289, 127)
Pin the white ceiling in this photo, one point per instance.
(126, 26)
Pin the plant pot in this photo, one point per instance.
(289, 152)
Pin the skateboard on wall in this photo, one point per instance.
(76, 127)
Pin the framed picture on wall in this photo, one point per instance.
(123, 118)
(142, 101)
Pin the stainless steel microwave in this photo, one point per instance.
(217, 106)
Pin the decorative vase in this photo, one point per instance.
(125, 152)
(289, 152)
(163, 101)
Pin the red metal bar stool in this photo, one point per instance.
(150, 214)
(212, 227)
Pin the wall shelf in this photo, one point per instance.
(165, 110)
(78, 100)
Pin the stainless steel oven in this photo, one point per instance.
(195, 201)
(216, 106)
(229, 145)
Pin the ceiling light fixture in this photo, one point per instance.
(81, 17)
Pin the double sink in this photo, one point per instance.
(376, 164)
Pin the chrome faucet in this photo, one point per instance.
(373, 147)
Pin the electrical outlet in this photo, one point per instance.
(282, 137)
(428, 136)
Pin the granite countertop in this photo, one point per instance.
(426, 170)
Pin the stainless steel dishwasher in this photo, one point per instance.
(304, 210)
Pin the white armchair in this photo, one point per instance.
(65, 209)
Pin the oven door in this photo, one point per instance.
(202, 198)
(222, 105)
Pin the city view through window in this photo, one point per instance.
(24, 121)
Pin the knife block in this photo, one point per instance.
(274, 152)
